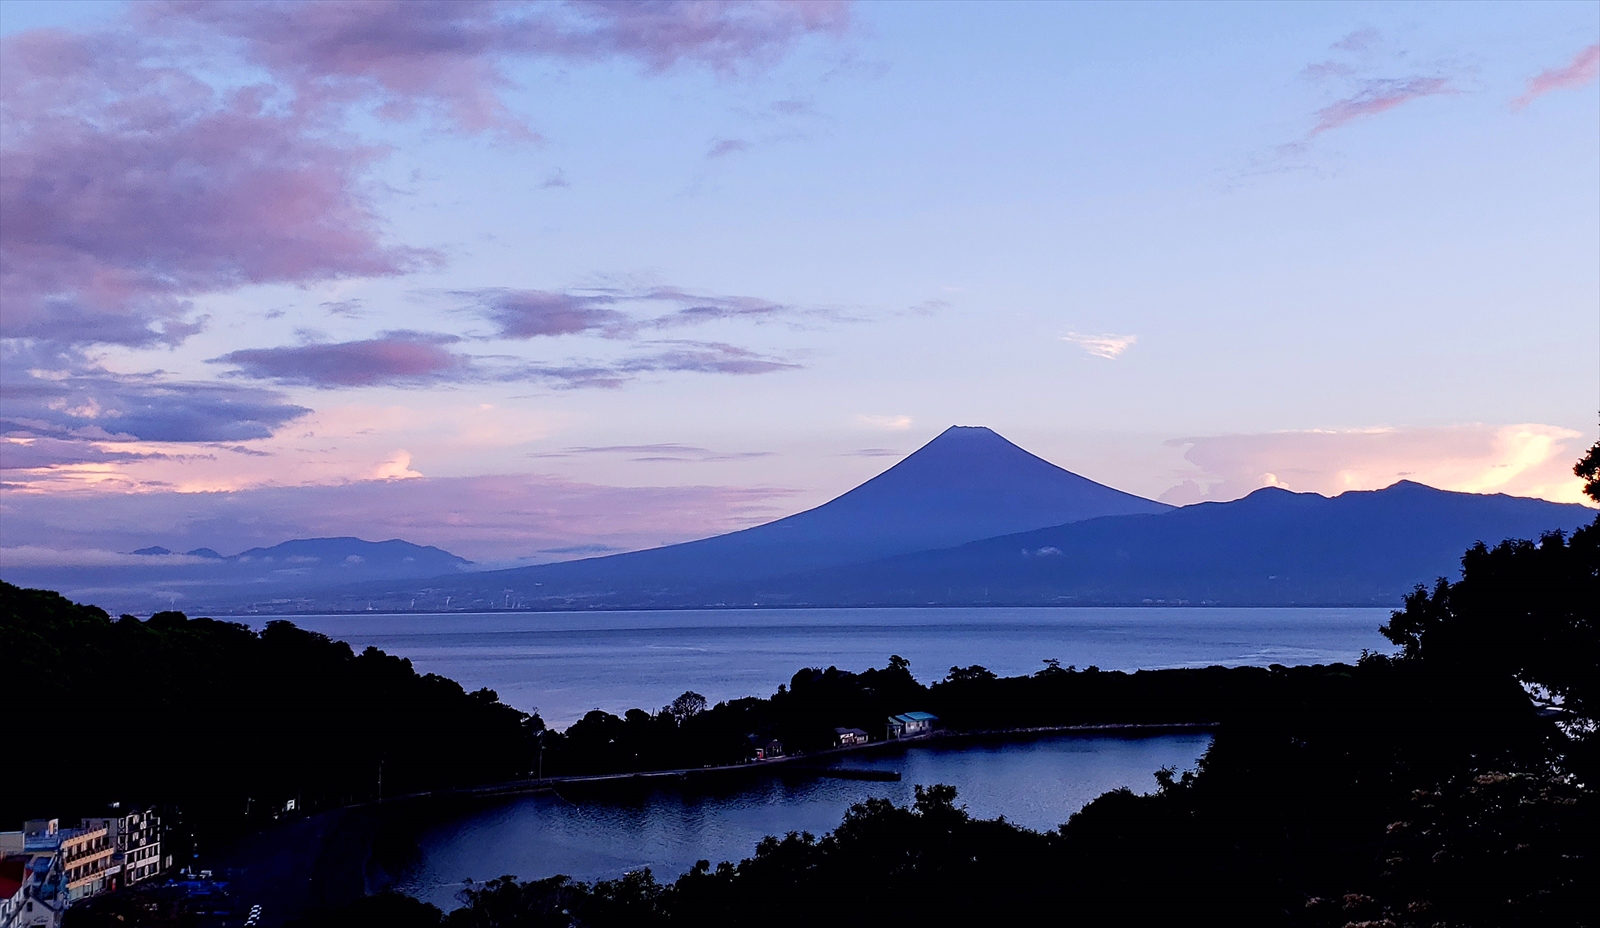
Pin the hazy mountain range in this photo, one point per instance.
(969, 518)
(155, 578)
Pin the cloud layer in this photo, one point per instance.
(489, 518)
(67, 397)
(135, 177)
(128, 186)
(1520, 460)
(196, 148)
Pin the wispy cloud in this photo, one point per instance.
(926, 308)
(887, 423)
(1351, 74)
(794, 106)
(349, 309)
(422, 359)
(704, 357)
(1377, 96)
(624, 313)
(415, 358)
(721, 148)
(1582, 69)
(1358, 41)
(537, 313)
(1109, 347)
(656, 453)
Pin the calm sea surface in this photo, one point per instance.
(1036, 783)
(564, 664)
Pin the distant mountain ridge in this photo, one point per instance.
(1273, 547)
(968, 519)
(966, 484)
(202, 577)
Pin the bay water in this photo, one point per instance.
(564, 664)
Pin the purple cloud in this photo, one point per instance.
(695, 308)
(535, 313)
(1582, 69)
(450, 56)
(726, 37)
(130, 183)
(523, 314)
(721, 148)
(36, 453)
(71, 400)
(1377, 96)
(413, 358)
(706, 358)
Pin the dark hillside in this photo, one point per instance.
(216, 719)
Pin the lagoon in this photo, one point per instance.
(1035, 782)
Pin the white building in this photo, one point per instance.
(911, 724)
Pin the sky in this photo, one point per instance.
(531, 282)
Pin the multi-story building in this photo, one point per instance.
(86, 857)
(138, 840)
(37, 896)
(44, 868)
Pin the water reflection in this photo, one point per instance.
(1037, 783)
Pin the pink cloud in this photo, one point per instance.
(127, 186)
(1521, 460)
(486, 518)
(1581, 70)
(394, 357)
(1377, 96)
(130, 182)
(451, 55)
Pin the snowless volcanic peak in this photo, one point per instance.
(970, 483)
(966, 484)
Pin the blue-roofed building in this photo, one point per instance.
(911, 724)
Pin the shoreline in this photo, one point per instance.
(802, 764)
(335, 856)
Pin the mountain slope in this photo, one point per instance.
(1271, 547)
(968, 483)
